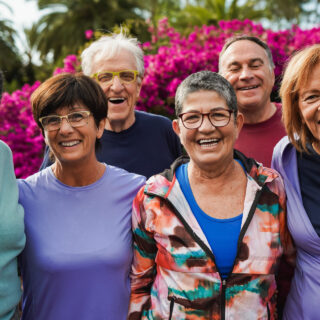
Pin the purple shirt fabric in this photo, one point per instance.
(78, 252)
(304, 296)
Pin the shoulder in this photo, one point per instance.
(4, 147)
(124, 177)
(282, 147)
(5, 152)
(35, 181)
(152, 118)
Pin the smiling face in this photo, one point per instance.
(74, 145)
(208, 145)
(309, 105)
(246, 66)
(121, 97)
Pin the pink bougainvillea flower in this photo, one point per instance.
(88, 34)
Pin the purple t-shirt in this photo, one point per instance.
(78, 253)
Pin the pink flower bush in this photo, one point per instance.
(20, 132)
(88, 34)
(169, 59)
(180, 56)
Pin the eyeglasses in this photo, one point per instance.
(125, 76)
(218, 118)
(75, 119)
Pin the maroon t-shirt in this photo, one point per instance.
(258, 140)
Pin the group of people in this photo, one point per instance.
(206, 236)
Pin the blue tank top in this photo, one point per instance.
(222, 234)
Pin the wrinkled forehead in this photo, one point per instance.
(243, 51)
(114, 60)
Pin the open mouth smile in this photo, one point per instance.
(248, 88)
(69, 143)
(207, 143)
(116, 100)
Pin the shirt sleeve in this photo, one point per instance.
(143, 270)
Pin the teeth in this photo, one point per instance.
(249, 88)
(116, 100)
(70, 143)
(208, 141)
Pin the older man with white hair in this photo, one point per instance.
(136, 141)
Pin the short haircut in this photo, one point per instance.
(108, 47)
(296, 75)
(66, 90)
(256, 40)
(206, 81)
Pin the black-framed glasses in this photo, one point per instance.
(75, 119)
(218, 117)
(125, 76)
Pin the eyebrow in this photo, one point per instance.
(212, 109)
(308, 91)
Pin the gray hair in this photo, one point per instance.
(256, 40)
(108, 47)
(206, 81)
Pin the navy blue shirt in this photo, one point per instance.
(148, 147)
(222, 234)
(309, 178)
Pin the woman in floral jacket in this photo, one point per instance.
(210, 232)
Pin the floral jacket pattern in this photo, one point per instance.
(174, 275)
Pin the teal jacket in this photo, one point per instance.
(12, 237)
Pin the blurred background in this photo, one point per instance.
(39, 38)
(36, 35)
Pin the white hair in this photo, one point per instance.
(108, 47)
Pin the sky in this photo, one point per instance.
(23, 14)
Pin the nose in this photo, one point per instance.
(206, 124)
(65, 126)
(116, 84)
(246, 73)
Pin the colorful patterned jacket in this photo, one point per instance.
(174, 275)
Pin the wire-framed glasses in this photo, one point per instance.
(75, 119)
(218, 117)
(125, 76)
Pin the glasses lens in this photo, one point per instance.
(127, 76)
(220, 117)
(191, 120)
(77, 119)
(105, 77)
(50, 123)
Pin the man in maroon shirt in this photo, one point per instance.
(246, 62)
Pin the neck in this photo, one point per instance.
(79, 175)
(219, 173)
(256, 115)
(119, 125)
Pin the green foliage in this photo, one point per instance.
(62, 29)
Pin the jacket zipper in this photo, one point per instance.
(268, 310)
(171, 299)
(207, 250)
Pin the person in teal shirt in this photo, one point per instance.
(12, 237)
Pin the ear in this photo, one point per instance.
(273, 77)
(101, 127)
(239, 123)
(175, 127)
(139, 85)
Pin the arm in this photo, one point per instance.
(143, 269)
(287, 261)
